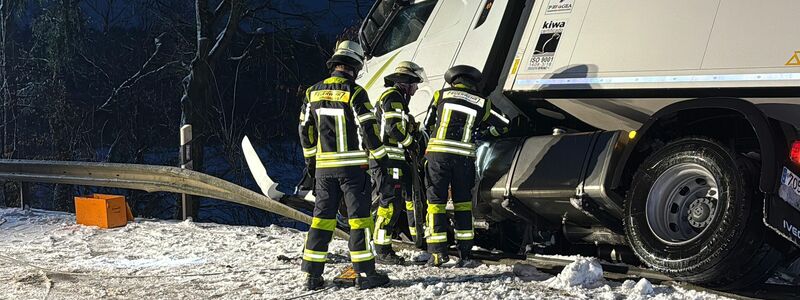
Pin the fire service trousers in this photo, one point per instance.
(354, 191)
(393, 185)
(456, 175)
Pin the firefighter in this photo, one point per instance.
(336, 117)
(392, 177)
(455, 115)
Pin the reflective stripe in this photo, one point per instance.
(381, 239)
(309, 152)
(392, 115)
(450, 150)
(365, 117)
(342, 163)
(361, 223)
(378, 153)
(501, 117)
(406, 142)
(409, 205)
(437, 208)
(323, 224)
(314, 256)
(493, 131)
(462, 206)
(341, 130)
(436, 238)
(335, 155)
(464, 234)
(445, 142)
(361, 256)
(413, 230)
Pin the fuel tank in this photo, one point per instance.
(552, 177)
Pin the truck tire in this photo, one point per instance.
(694, 213)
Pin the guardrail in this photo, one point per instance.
(146, 178)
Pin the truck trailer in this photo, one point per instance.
(668, 128)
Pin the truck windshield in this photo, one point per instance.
(404, 28)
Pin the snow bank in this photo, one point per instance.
(583, 272)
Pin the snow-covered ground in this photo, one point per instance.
(46, 255)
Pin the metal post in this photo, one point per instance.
(188, 204)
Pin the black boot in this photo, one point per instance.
(372, 280)
(438, 259)
(314, 283)
(465, 258)
(389, 258)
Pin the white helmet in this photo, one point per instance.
(406, 72)
(347, 53)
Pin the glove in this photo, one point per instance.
(307, 183)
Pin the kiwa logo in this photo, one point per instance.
(554, 24)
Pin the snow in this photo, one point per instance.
(46, 255)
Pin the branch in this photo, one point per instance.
(135, 78)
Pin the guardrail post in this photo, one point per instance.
(188, 205)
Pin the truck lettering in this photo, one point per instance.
(791, 229)
(554, 24)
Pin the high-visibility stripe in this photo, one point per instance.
(365, 117)
(323, 224)
(445, 142)
(450, 150)
(493, 131)
(437, 237)
(408, 140)
(336, 155)
(381, 237)
(500, 116)
(409, 205)
(437, 208)
(314, 256)
(391, 115)
(361, 223)
(462, 206)
(309, 152)
(361, 256)
(413, 230)
(378, 153)
(342, 163)
(465, 235)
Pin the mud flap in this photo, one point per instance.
(782, 211)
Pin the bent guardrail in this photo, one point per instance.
(146, 178)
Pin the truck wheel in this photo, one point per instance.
(692, 213)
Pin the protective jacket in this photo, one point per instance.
(392, 112)
(454, 117)
(337, 127)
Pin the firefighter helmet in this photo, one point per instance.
(469, 73)
(347, 53)
(406, 72)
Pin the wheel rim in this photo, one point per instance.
(682, 203)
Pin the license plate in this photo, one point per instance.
(790, 188)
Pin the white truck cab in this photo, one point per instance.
(667, 128)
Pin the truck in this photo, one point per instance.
(666, 129)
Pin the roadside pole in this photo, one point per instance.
(188, 205)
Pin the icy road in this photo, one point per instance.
(46, 256)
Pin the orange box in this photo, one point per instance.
(104, 211)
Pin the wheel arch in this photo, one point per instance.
(732, 113)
